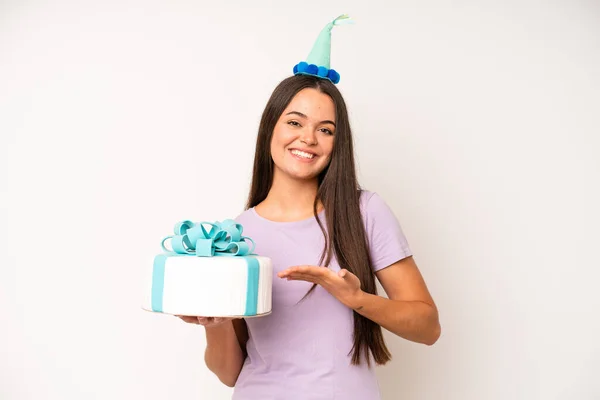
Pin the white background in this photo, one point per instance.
(477, 121)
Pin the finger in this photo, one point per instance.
(284, 273)
(309, 269)
(304, 277)
(287, 271)
(188, 319)
(347, 275)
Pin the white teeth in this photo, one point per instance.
(302, 154)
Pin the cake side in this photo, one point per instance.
(210, 286)
(206, 286)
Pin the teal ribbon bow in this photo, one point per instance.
(222, 239)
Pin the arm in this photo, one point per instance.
(226, 349)
(410, 312)
(225, 345)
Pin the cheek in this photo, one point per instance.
(281, 139)
(278, 144)
(275, 145)
(328, 147)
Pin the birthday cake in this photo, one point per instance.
(209, 272)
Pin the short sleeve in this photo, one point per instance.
(387, 242)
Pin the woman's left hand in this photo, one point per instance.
(345, 286)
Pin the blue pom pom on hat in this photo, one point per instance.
(318, 61)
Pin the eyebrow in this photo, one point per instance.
(298, 113)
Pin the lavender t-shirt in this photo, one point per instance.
(301, 351)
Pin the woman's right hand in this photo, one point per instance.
(207, 322)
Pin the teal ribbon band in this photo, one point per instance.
(252, 286)
(223, 239)
(158, 282)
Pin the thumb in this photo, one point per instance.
(342, 273)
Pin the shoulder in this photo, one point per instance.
(387, 242)
(378, 217)
(365, 197)
(245, 217)
(372, 204)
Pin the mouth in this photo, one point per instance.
(303, 155)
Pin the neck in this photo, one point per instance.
(290, 199)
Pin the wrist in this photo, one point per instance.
(219, 327)
(357, 301)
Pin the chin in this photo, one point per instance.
(303, 175)
(293, 172)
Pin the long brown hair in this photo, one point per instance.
(339, 192)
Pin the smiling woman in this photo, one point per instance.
(329, 241)
(303, 136)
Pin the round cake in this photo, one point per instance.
(209, 272)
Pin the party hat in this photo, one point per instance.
(318, 61)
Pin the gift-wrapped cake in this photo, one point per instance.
(210, 270)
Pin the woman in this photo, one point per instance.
(328, 240)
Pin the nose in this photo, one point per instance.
(308, 137)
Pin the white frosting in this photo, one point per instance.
(210, 286)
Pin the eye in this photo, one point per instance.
(294, 123)
(327, 131)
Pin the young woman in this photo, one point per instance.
(329, 240)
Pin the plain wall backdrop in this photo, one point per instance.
(477, 121)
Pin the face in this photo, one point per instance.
(303, 136)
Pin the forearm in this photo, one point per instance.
(416, 321)
(223, 355)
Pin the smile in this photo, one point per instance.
(302, 154)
